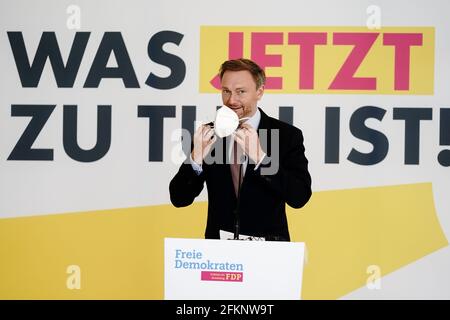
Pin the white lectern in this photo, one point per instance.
(232, 269)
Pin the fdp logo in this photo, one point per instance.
(222, 276)
(392, 60)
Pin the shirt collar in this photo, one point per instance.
(255, 119)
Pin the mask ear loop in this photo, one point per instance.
(244, 119)
(241, 121)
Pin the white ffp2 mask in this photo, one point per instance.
(226, 122)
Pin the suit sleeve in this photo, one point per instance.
(185, 186)
(292, 181)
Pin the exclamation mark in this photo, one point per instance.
(444, 137)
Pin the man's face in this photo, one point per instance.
(239, 92)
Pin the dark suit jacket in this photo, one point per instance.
(262, 197)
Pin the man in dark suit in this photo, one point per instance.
(248, 197)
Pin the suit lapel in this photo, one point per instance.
(264, 124)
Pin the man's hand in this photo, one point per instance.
(247, 138)
(204, 138)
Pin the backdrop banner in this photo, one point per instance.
(95, 97)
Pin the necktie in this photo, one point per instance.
(235, 167)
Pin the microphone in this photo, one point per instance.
(237, 221)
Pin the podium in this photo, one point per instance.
(232, 269)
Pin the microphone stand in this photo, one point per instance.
(236, 211)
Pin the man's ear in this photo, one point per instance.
(260, 92)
